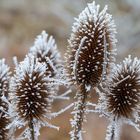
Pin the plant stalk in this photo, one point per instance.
(79, 109)
(31, 126)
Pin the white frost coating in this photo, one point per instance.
(77, 55)
(105, 59)
(62, 110)
(64, 95)
(15, 61)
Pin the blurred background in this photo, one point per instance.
(22, 20)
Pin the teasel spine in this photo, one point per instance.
(4, 103)
(89, 57)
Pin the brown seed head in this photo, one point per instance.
(32, 93)
(91, 46)
(124, 89)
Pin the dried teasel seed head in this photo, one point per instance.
(4, 91)
(32, 97)
(123, 99)
(91, 46)
(45, 49)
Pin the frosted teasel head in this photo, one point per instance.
(4, 91)
(91, 46)
(123, 97)
(45, 49)
(30, 92)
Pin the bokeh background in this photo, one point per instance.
(22, 20)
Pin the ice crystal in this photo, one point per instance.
(4, 91)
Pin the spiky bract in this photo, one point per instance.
(91, 46)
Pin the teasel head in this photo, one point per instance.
(45, 49)
(123, 99)
(120, 98)
(31, 95)
(91, 46)
(4, 91)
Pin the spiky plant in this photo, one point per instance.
(121, 100)
(4, 91)
(89, 56)
(31, 96)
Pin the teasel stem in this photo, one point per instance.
(79, 111)
(31, 126)
(113, 131)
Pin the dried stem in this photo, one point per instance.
(79, 111)
(31, 126)
(113, 131)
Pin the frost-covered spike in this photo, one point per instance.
(4, 93)
(45, 49)
(91, 46)
(90, 55)
(31, 96)
(61, 111)
(124, 87)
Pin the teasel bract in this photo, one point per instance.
(31, 97)
(4, 92)
(89, 57)
(121, 99)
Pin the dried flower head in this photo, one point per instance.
(31, 95)
(124, 89)
(45, 49)
(120, 100)
(4, 91)
(91, 46)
